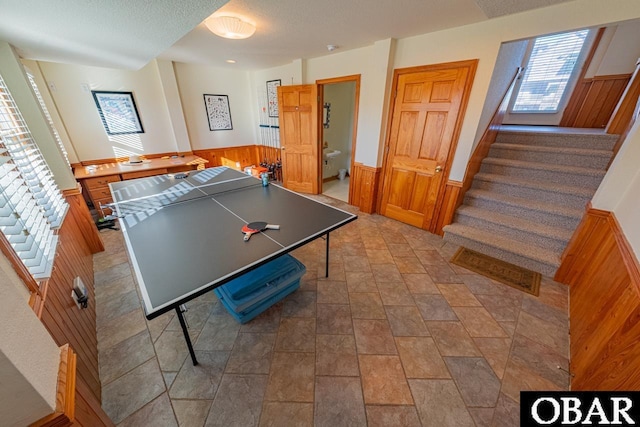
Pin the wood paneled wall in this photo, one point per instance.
(363, 187)
(447, 208)
(604, 278)
(623, 114)
(78, 241)
(234, 157)
(594, 100)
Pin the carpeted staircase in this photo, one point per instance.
(530, 195)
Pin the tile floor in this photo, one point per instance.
(337, 189)
(396, 336)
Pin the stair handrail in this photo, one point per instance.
(488, 137)
(632, 90)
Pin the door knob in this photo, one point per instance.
(438, 169)
(282, 148)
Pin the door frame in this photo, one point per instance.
(344, 79)
(472, 65)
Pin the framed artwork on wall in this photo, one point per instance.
(218, 112)
(118, 112)
(272, 97)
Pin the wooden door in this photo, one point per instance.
(298, 110)
(426, 117)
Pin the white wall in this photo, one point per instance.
(372, 63)
(618, 52)
(77, 108)
(510, 57)
(29, 358)
(196, 80)
(620, 189)
(483, 40)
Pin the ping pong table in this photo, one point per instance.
(184, 238)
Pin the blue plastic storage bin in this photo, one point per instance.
(247, 296)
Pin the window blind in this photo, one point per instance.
(31, 205)
(54, 131)
(551, 64)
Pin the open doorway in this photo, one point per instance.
(338, 134)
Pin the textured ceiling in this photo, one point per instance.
(129, 33)
(114, 33)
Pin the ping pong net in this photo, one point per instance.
(136, 200)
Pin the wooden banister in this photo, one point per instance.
(626, 113)
(488, 137)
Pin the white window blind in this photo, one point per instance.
(31, 205)
(550, 67)
(54, 131)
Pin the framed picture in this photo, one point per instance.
(272, 97)
(118, 112)
(218, 112)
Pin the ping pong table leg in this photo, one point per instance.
(185, 331)
(327, 258)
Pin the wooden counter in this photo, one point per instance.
(95, 179)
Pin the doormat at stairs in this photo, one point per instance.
(517, 277)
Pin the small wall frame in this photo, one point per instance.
(218, 112)
(272, 97)
(118, 112)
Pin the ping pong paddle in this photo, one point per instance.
(256, 227)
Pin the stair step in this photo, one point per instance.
(581, 157)
(507, 249)
(524, 230)
(559, 174)
(559, 138)
(567, 195)
(537, 211)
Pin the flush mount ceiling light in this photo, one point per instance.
(230, 27)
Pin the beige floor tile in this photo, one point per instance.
(420, 358)
(374, 337)
(434, 307)
(360, 281)
(409, 264)
(251, 354)
(291, 378)
(517, 378)
(332, 292)
(439, 403)
(420, 283)
(496, 352)
(127, 394)
(554, 336)
(386, 273)
(366, 305)
(336, 355)
(158, 412)
(383, 380)
(218, 334)
(457, 294)
(300, 304)
(482, 416)
(278, 414)
(405, 321)
(401, 249)
(339, 402)
(478, 385)
(191, 413)
(395, 293)
(238, 401)
(397, 416)
(334, 319)
(479, 323)
(297, 335)
(124, 356)
(452, 339)
(200, 381)
(379, 256)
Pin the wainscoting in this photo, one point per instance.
(447, 207)
(594, 100)
(364, 187)
(78, 240)
(604, 278)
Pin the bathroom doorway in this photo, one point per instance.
(339, 97)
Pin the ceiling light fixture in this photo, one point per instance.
(331, 47)
(230, 27)
(231, 61)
